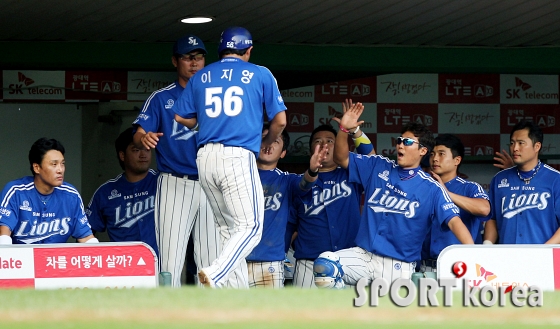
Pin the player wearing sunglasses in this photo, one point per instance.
(402, 202)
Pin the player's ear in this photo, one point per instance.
(36, 168)
(248, 53)
(457, 160)
(121, 156)
(538, 146)
(174, 60)
(283, 154)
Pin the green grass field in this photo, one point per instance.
(289, 308)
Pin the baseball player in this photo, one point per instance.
(474, 207)
(525, 199)
(124, 205)
(178, 194)
(43, 208)
(328, 217)
(226, 100)
(401, 203)
(265, 263)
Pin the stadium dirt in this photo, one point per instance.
(200, 308)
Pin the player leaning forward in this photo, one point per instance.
(43, 208)
(401, 203)
(226, 100)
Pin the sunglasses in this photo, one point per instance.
(407, 141)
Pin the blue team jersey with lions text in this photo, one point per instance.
(526, 213)
(125, 210)
(31, 221)
(228, 98)
(327, 218)
(397, 213)
(279, 190)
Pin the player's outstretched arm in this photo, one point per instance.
(458, 228)
(277, 125)
(503, 160)
(476, 206)
(348, 120)
(147, 140)
(490, 232)
(189, 123)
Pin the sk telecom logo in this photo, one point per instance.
(334, 113)
(23, 80)
(519, 84)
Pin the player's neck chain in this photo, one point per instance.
(527, 180)
(406, 174)
(45, 198)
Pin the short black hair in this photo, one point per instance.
(122, 142)
(40, 148)
(424, 135)
(453, 143)
(239, 52)
(534, 131)
(285, 136)
(318, 129)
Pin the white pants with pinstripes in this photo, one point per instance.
(266, 274)
(303, 274)
(358, 263)
(176, 209)
(230, 179)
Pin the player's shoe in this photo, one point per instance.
(205, 280)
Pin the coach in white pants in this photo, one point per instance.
(178, 196)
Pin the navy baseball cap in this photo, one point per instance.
(188, 44)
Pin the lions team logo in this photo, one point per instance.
(503, 183)
(25, 206)
(271, 269)
(114, 194)
(169, 104)
(384, 175)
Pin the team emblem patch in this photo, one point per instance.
(114, 194)
(503, 183)
(397, 266)
(169, 104)
(271, 269)
(25, 206)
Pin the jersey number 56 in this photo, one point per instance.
(229, 101)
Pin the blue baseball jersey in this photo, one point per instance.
(328, 217)
(31, 220)
(177, 141)
(125, 210)
(526, 213)
(398, 213)
(227, 98)
(437, 240)
(279, 190)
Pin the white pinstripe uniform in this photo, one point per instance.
(229, 139)
(178, 195)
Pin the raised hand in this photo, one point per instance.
(504, 160)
